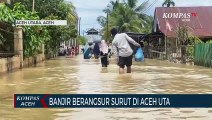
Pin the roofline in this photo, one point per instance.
(183, 7)
(133, 33)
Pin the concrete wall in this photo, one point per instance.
(9, 64)
(17, 62)
(33, 60)
(14, 63)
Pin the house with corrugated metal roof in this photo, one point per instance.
(93, 36)
(92, 31)
(168, 20)
(197, 19)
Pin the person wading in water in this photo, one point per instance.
(96, 51)
(104, 53)
(123, 50)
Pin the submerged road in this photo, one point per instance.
(78, 76)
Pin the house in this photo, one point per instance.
(93, 36)
(92, 31)
(168, 20)
(196, 19)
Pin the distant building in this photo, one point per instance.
(93, 36)
(92, 31)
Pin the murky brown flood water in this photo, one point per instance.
(76, 75)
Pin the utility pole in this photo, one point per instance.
(77, 42)
(107, 35)
(79, 24)
(83, 32)
(33, 5)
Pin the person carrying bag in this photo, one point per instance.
(139, 56)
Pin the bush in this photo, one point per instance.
(209, 41)
(82, 40)
(192, 40)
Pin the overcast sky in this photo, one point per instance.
(89, 10)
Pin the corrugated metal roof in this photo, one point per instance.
(198, 19)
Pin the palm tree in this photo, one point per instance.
(72, 16)
(108, 10)
(125, 19)
(102, 20)
(127, 16)
(168, 3)
(111, 6)
(147, 24)
(133, 5)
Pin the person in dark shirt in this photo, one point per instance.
(96, 51)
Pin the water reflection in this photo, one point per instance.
(75, 75)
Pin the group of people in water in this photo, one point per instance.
(67, 51)
(121, 47)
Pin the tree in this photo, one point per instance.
(55, 10)
(82, 40)
(111, 6)
(147, 24)
(136, 8)
(147, 21)
(127, 16)
(6, 20)
(31, 34)
(192, 40)
(168, 3)
(125, 19)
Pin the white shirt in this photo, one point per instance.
(121, 46)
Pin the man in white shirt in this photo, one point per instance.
(123, 50)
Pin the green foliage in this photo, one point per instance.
(126, 16)
(51, 36)
(44, 8)
(58, 10)
(33, 38)
(82, 40)
(168, 3)
(147, 24)
(21, 13)
(182, 35)
(6, 14)
(209, 41)
(125, 19)
(186, 41)
(58, 34)
(192, 40)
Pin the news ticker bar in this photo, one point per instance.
(40, 22)
(113, 100)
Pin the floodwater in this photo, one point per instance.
(76, 75)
